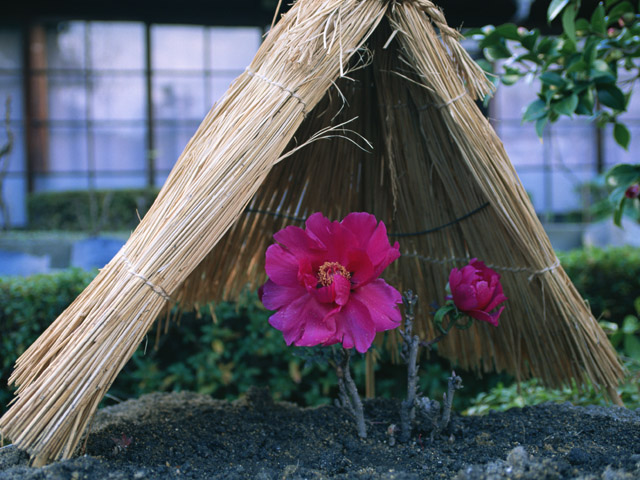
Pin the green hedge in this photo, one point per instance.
(89, 210)
(27, 306)
(222, 354)
(225, 353)
(609, 279)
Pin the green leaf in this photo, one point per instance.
(497, 52)
(582, 25)
(622, 135)
(612, 97)
(510, 78)
(540, 124)
(530, 40)
(529, 57)
(608, 3)
(534, 111)
(555, 7)
(586, 104)
(617, 214)
(590, 53)
(567, 48)
(630, 325)
(601, 72)
(569, 23)
(619, 10)
(552, 78)
(623, 175)
(566, 106)
(545, 45)
(632, 346)
(490, 39)
(485, 65)
(598, 24)
(578, 66)
(549, 94)
(508, 31)
(440, 315)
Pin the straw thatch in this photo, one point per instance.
(415, 151)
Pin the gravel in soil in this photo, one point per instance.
(186, 435)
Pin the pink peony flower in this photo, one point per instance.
(324, 285)
(476, 290)
(633, 191)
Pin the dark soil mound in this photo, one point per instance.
(184, 435)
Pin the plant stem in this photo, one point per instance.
(348, 392)
(410, 356)
(455, 383)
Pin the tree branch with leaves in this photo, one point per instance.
(589, 70)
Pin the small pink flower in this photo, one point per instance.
(324, 285)
(476, 290)
(633, 191)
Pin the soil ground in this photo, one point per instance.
(185, 435)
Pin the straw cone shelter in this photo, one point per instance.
(349, 105)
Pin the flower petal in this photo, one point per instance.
(354, 326)
(491, 318)
(362, 225)
(455, 278)
(497, 300)
(360, 267)
(372, 238)
(334, 237)
(382, 301)
(464, 297)
(276, 296)
(318, 331)
(298, 242)
(379, 249)
(281, 266)
(470, 275)
(497, 296)
(303, 315)
(342, 288)
(323, 294)
(484, 294)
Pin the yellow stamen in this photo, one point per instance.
(328, 269)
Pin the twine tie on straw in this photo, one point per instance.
(555, 265)
(155, 288)
(291, 93)
(444, 261)
(439, 261)
(440, 227)
(391, 234)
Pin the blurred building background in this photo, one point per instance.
(107, 94)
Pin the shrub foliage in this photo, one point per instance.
(609, 279)
(224, 349)
(89, 210)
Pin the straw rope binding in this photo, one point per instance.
(462, 261)
(155, 288)
(293, 94)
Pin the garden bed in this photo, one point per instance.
(186, 435)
